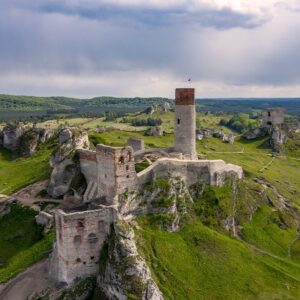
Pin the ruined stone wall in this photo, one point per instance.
(212, 172)
(88, 165)
(273, 116)
(79, 239)
(116, 171)
(185, 123)
(136, 144)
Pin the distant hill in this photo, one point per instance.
(18, 107)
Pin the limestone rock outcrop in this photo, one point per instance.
(12, 133)
(169, 197)
(65, 164)
(32, 138)
(154, 131)
(256, 133)
(277, 139)
(165, 107)
(203, 133)
(16, 138)
(125, 272)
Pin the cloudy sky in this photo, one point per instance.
(86, 48)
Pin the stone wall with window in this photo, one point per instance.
(80, 237)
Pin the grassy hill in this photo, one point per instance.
(26, 107)
(202, 260)
(200, 263)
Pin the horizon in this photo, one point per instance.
(149, 97)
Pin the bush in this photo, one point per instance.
(241, 123)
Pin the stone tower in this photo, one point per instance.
(185, 123)
(272, 117)
(116, 172)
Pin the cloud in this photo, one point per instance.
(133, 48)
(221, 14)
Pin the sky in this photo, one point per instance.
(88, 48)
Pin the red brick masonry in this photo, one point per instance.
(185, 96)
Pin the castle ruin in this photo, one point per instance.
(110, 173)
(272, 117)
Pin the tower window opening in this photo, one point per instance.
(122, 160)
(178, 121)
(269, 114)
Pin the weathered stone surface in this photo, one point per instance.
(255, 133)
(116, 172)
(29, 142)
(136, 144)
(66, 166)
(154, 131)
(203, 133)
(15, 137)
(166, 106)
(45, 219)
(272, 117)
(185, 123)
(219, 134)
(62, 176)
(12, 136)
(163, 196)
(211, 172)
(277, 139)
(80, 237)
(125, 272)
(229, 138)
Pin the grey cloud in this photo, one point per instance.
(206, 16)
(44, 41)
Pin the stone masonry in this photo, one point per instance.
(116, 172)
(136, 144)
(272, 117)
(79, 238)
(185, 123)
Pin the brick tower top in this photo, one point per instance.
(185, 96)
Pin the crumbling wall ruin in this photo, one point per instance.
(211, 172)
(116, 172)
(136, 144)
(79, 239)
(272, 117)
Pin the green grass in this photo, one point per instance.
(18, 231)
(119, 138)
(16, 173)
(22, 242)
(140, 166)
(200, 263)
(27, 257)
(267, 230)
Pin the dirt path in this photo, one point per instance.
(267, 165)
(28, 283)
(28, 195)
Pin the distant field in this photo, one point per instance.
(208, 121)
